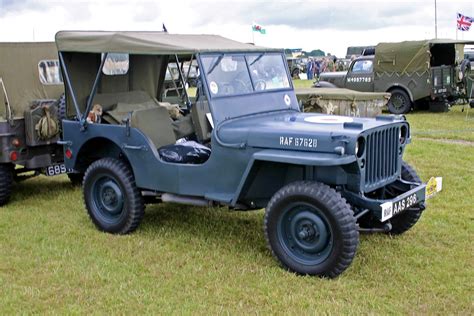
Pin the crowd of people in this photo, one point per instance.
(316, 66)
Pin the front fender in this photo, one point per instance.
(291, 158)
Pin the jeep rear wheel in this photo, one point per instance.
(6, 182)
(311, 230)
(399, 102)
(410, 217)
(112, 199)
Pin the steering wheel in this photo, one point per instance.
(260, 85)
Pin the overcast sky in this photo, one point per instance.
(328, 25)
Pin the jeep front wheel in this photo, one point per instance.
(112, 199)
(399, 102)
(6, 182)
(311, 230)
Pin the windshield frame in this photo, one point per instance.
(221, 55)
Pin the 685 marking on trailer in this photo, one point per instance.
(55, 170)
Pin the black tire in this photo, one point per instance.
(311, 230)
(399, 102)
(295, 73)
(75, 178)
(112, 199)
(6, 182)
(406, 220)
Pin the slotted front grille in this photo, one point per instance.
(382, 157)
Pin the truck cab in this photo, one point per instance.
(242, 143)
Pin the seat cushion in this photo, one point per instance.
(188, 152)
(155, 123)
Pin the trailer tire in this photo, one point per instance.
(310, 229)
(6, 182)
(75, 178)
(399, 102)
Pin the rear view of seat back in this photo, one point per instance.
(155, 123)
(201, 124)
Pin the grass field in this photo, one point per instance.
(185, 260)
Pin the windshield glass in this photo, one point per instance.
(268, 72)
(229, 75)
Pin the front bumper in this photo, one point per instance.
(384, 209)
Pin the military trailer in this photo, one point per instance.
(30, 90)
(340, 101)
(415, 73)
(321, 178)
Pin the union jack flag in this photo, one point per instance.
(464, 22)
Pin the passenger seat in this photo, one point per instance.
(201, 124)
(154, 123)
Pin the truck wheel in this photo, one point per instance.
(407, 219)
(6, 182)
(399, 102)
(112, 199)
(310, 229)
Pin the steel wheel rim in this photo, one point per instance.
(305, 234)
(398, 101)
(107, 198)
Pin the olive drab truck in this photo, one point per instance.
(242, 143)
(30, 94)
(417, 73)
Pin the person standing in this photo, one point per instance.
(309, 69)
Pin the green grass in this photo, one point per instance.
(185, 260)
(457, 124)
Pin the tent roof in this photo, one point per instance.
(156, 43)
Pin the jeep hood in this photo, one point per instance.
(293, 130)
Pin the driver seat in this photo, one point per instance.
(202, 127)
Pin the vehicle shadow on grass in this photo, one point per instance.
(41, 188)
(215, 226)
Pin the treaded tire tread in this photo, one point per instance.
(133, 197)
(410, 217)
(6, 182)
(405, 95)
(336, 207)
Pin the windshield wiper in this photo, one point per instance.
(257, 59)
(214, 65)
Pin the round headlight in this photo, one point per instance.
(360, 147)
(403, 134)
